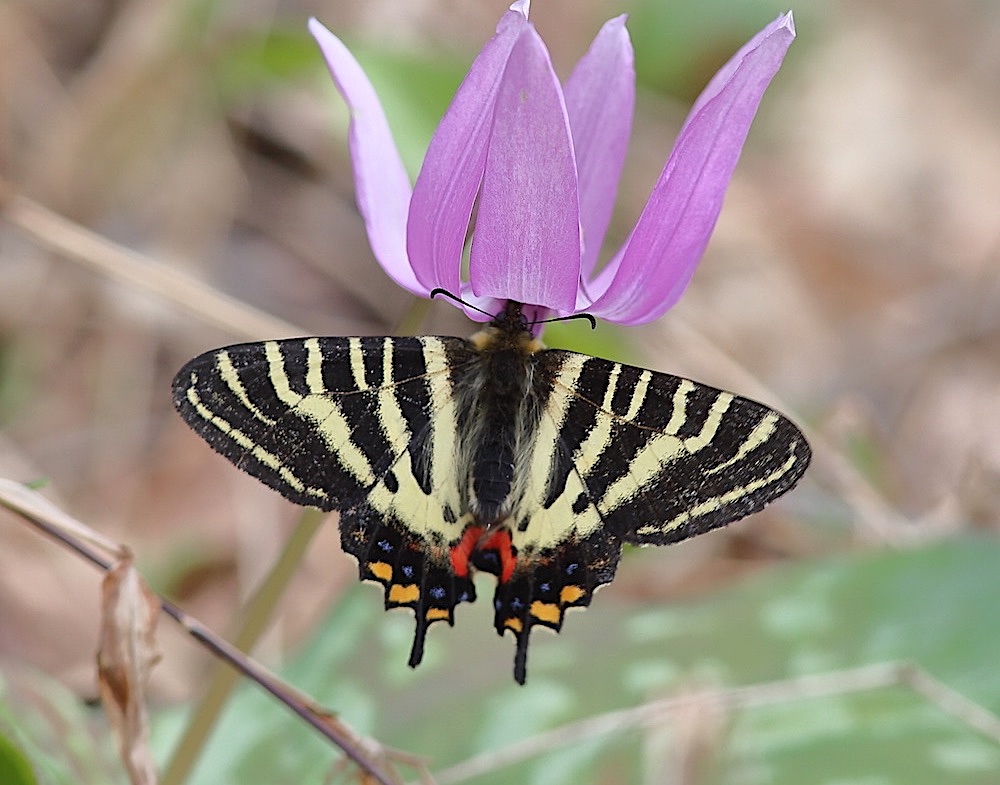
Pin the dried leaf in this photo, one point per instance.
(126, 656)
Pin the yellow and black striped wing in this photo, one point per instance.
(366, 426)
(661, 458)
(323, 420)
(385, 429)
(623, 454)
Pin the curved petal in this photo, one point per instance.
(449, 178)
(381, 185)
(723, 75)
(526, 245)
(600, 99)
(654, 267)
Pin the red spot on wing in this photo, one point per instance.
(461, 553)
(499, 541)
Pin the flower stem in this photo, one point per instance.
(413, 319)
(256, 617)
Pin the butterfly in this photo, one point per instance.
(447, 456)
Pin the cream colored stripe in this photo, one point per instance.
(314, 367)
(267, 458)
(760, 434)
(224, 365)
(597, 441)
(679, 413)
(337, 433)
(638, 395)
(646, 466)
(390, 416)
(444, 444)
(599, 436)
(547, 528)
(609, 392)
(421, 512)
(276, 373)
(711, 424)
(322, 409)
(536, 475)
(357, 356)
(718, 502)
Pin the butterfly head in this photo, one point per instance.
(509, 330)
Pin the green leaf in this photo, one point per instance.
(934, 606)
(14, 766)
(60, 739)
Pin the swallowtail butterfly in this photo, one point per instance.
(446, 456)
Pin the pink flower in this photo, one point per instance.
(541, 161)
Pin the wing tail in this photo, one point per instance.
(541, 590)
(411, 578)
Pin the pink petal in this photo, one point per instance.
(600, 98)
(449, 179)
(526, 245)
(381, 185)
(723, 75)
(649, 274)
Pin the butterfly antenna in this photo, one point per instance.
(587, 316)
(457, 299)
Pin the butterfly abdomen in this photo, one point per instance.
(492, 477)
(497, 410)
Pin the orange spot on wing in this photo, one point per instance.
(546, 612)
(570, 594)
(403, 595)
(380, 570)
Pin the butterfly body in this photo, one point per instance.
(446, 456)
(497, 411)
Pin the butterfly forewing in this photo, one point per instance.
(321, 420)
(664, 458)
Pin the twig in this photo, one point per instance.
(121, 264)
(881, 520)
(255, 617)
(37, 511)
(853, 680)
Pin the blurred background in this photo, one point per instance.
(852, 282)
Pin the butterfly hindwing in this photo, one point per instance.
(414, 573)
